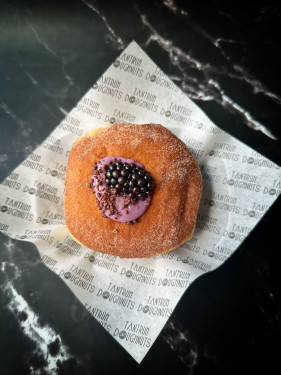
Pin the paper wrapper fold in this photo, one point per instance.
(134, 298)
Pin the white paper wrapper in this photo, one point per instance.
(134, 298)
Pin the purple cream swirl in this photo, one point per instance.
(125, 214)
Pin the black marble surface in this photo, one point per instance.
(226, 57)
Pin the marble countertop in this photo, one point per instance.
(226, 58)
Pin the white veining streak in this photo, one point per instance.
(41, 336)
(3, 158)
(63, 111)
(257, 86)
(11, 113)
(179, 342)
(174, 8)
(177, 56)
(25, 130)
(119, 44)
(254, 124)
(29, 75)
(70, 81)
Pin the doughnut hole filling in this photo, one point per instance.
(122, 187)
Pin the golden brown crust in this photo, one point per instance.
(171, 217)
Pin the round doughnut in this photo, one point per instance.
(169, 220)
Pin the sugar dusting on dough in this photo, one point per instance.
(171, 217)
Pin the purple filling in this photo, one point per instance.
(125, 214)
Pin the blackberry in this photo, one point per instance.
(116, 174)
(128, 179)
(121, 180)
(136, 189)
(141, 196)
(132, 183)
(126, 185)
(141, 182)
(124, 172)
(128, 167)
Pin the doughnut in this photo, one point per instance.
(156, 214)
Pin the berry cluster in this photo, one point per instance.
(128, 179)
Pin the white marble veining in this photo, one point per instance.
(197, 90)
(250, 121)
(10, 112)
(41, 336)
(116, 40)
(69, 79)
(180, 342)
